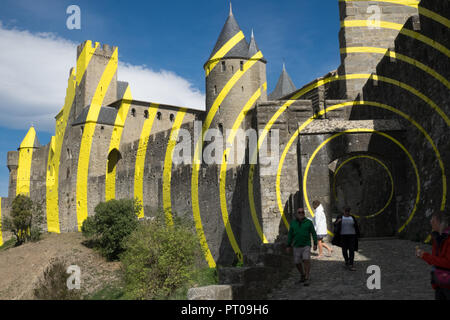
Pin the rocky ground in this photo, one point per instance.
(21, 267)
(403, 276)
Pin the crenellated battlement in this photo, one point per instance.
(105, 50)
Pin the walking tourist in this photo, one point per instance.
(300, 231)
(346, 234)
(320, 223)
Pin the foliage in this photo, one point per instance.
(26, 220)
(8, 244)
(109, 292)
(113, 222)
(160, 259)
(53, 284)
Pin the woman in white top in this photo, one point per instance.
(320, 223)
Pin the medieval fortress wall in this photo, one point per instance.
(108, 145)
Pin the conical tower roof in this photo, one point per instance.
(253, 47)
(229, 30)
(30, 140)
(284, 86)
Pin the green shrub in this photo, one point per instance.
(159, 259)
(113, 222)
(53, 284)
(26, 220)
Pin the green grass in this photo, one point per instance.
(110, 292)
(8, 244)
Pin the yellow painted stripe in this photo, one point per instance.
(84, 59)
(399, 27)
(409, 3)
(413, 4)
(324, 82)
(305, 177)
(223, 174)
(1, 236)
(116, 137)
(88, 134)
(391, 195)
(434, 16)
(359, 103)
(54, 157)
(167, 172)
(24, 166)
(398, 56)
(223, 51)
(196, 165)
(140, 157)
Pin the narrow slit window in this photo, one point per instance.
(242, 65)
(224, 67)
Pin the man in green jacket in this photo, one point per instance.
(299, 237)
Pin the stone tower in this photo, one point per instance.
(228, 61)
(368, 29)
(93, 59)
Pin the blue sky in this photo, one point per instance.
(163, 43)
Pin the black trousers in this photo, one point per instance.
(348, 242)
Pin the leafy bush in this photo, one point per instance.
(26, 220)
(159, 259)
(113, 222)
(53, 284)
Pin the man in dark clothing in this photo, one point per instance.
(299, 237)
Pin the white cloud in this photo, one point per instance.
(33, 78)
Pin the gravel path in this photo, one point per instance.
(403, 276)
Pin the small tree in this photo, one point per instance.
(159, 259)
(113, 222)
(25, 220)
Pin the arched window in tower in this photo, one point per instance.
(172, 117)
(242, 88)
(242, 65)
(215, 89)
(159, 116)
(113, 158)
(221, 128)
(133, 112)
(146, 114)
(224, 67)
(232, 69)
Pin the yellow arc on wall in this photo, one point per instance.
(223, 51)
(88, 134)
(416, 171)
(391, 195)
(140, 157)
(24, 166)
(196, 163)
(399, 27)
(223, 174)
(167, 172)
(116, 137)
(354, 104)
(54, 154)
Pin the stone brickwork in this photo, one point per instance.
(357, 183)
